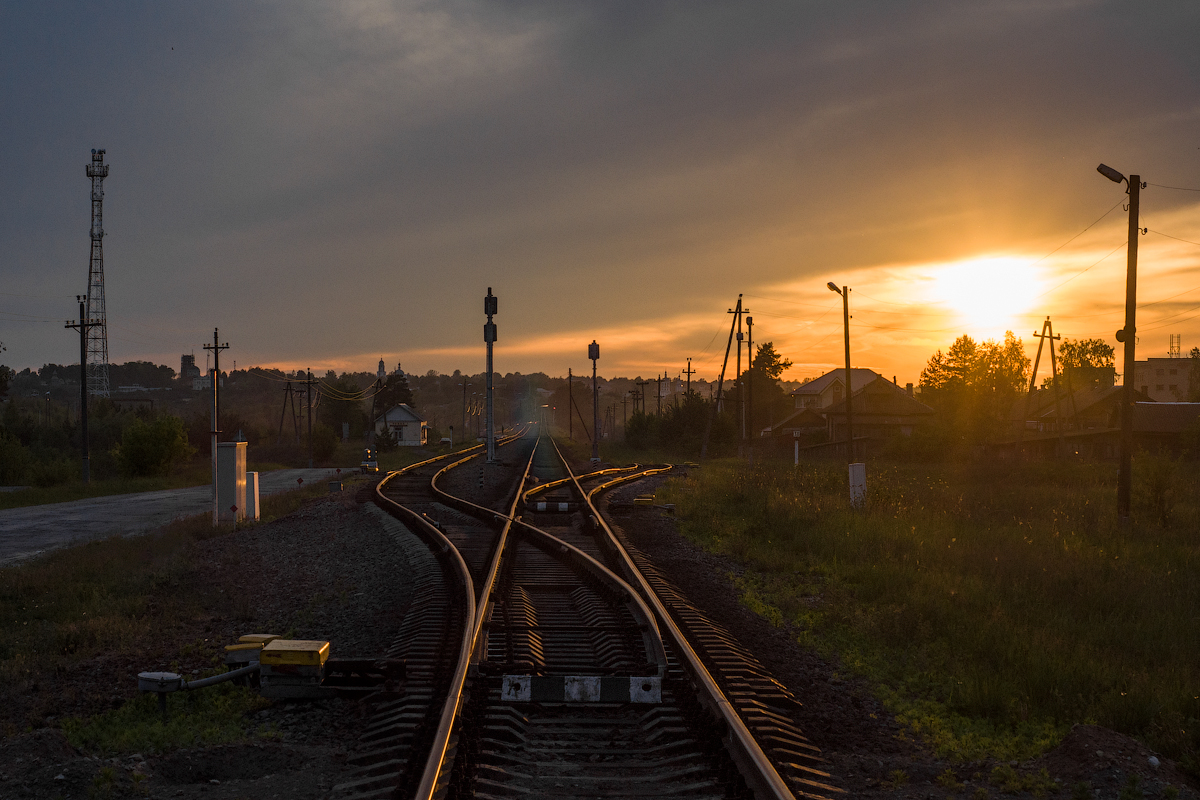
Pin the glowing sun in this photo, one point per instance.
(987, 293)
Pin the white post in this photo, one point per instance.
(858, 483)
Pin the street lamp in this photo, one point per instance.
(1128, 337)
(858, 471)
(845, 293)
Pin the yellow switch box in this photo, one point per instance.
(229, 648)
(257, 638)
(296, 652)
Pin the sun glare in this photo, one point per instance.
(987, 294)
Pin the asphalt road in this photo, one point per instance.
(26, 532)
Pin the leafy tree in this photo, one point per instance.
(395, 391)
(974, 385)
(1074, 353)
(6, 375)
(342, 401)
(769, 399)
(152, 446)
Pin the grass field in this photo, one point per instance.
(991, 605)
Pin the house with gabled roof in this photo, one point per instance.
(405, 424)
(830, 389)
(880, 410)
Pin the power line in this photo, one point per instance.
(1176, 238)
(1177, 188)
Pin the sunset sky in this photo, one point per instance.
(333, 182)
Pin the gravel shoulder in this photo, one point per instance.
(328, 571)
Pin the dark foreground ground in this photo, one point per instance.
(333, 571)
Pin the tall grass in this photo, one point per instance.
(993, 605)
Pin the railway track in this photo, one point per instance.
(546, 657)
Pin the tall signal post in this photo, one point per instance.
(490, 304)
(594, 355)
(97, 331)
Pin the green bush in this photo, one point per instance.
(151, 447)
(14, 459)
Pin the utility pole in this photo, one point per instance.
(641, 395)
(490, 304)
(689, 372)
(750, 382)
(216, 347)
(741, 404)
(624, 415)
(716, 403)
(380, 375)
(1127, 336)
(1047, 334)
(308, 384)
(658, 395)
(594, 355)
(570, 405)
(845, 293)
(83, 326)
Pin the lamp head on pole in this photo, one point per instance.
(833, 287)
(1110, 173)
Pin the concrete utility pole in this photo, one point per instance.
(490, 304)
(1127, 336)
(594, 355)
(689, 372)
(83, 326)
(216, 347)
(570, 406)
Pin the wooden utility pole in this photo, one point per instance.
(689, 372)
(570, 405)
(720, 383)
(1046, 335)
(216, 347)
(641, 395)
(750, 381)
(658, 395)
(83, 326)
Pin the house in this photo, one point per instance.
(405, 424)
(1165, 380)
(880, 410)
(829, 389)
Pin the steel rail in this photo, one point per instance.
(637, 606)
(760, 774)
(435, 763)
(544, 487)
(447, 550)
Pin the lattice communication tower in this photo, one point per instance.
(97, 336)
